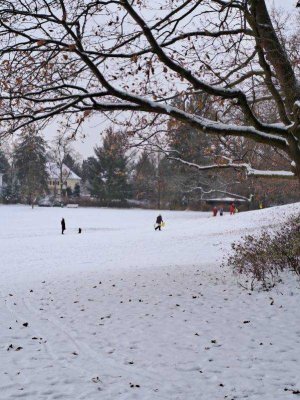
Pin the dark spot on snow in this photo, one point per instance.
(133, 385)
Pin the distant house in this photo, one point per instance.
(61, 178)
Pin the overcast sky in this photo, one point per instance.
(287, 4)
(96, 125)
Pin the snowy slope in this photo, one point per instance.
(124, 312)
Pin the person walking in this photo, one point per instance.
(63, 225)
(215, 211)
(221, 211)
(232, 209)
(159, 222)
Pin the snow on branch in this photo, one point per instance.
(270, 174)
(247, 167)
(187, 74)
(233, 195)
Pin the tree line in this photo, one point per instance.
(121, 173)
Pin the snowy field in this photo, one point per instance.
(124, 312)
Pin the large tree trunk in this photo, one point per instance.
(274, 51)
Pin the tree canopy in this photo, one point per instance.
(77, 58)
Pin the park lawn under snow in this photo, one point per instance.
(124, 312)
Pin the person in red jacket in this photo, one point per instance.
(215, 211)
(232, 209)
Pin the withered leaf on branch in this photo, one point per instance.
(41, 42)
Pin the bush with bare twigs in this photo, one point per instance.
(261, 259)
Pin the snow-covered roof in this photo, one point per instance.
(54, 172)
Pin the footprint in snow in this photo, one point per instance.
(96, 379)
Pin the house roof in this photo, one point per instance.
(54, 172)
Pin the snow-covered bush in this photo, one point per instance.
(262, 258)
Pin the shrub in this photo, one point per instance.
(262, 258)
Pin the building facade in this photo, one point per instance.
(61, 177)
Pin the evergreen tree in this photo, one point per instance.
(110, 176)
(89, 172)
(86, 168)
(4, 164)
(69, 192)
(145, 178)
(30, 165)
(4, 169)
(76, 191)
(11, 190)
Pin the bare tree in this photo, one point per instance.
(61, 148)
(76, 58)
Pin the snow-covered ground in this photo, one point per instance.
(124, 312)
